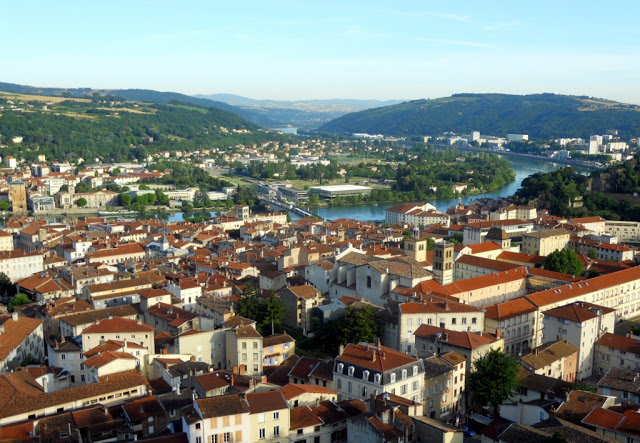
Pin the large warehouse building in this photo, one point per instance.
(334, 191)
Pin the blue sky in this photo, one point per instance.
(325, 49)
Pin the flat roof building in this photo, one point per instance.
(334, 191)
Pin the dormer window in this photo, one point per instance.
(351, 370)
(393, 378)
(377, 378)
(415, 370)
(404, 374)
(340, 367)
(365, 375)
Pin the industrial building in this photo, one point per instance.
(334, 191)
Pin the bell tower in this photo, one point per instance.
(443, 262)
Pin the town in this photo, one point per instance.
(261, 321)
(240, 327)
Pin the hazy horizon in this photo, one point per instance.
(355, 50)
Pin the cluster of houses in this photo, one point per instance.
(134, 332)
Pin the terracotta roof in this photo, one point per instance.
(603, 418)
(212, 380)
(277, 339)
(305, 291)
(548, 354)
(302, 417)
(143, 408)
(578, 311)
(509, 309)
(291, 391)
(117, 324)
(520, 257)
(112, 345)
(15, 332)
(247, 332)
(578, 404)
(266, 401)
(479, 248)
(84, 318)
(435, 306)
(387, 358)
(485, 263)
(621, 379)
(465, 340)
(484, 281)
(16, 401)
(223, 405)
(107, 357)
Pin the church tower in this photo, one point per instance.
(443, 262)
(18, 197)
(415, 247)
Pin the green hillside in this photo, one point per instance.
(67, 129)
(539, 115)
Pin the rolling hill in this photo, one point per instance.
(539, 115)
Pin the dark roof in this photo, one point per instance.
(222, 405)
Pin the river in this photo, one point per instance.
(523, 167)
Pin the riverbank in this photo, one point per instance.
(568, 162)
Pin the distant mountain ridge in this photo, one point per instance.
(326, 105)
(539, 115)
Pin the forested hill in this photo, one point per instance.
(539, 115)
(67, 129)
(145, 95)
(565, 192)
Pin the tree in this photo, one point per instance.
(125, 199)
(249, 303)
(81, 202)
(314, 200)
(274, 311)
(18, 300)
(4, 206)
(7, 288)
(592, 254)
(565, 261)
(494, 378)
(358, 325)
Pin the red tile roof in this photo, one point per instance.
(266, 401)
(117, 324)
(621, 342)
(386, 359)
(291, 391)
(465, 340)
(509, 309)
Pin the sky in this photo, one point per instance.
(325, 49)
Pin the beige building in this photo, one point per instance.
(404, 320)
(269, 416)
(624, 231)
(365, 369)
(515, 320)
(300, 301)
(20, 337)
(444, 384)
(218, 419)
(118, 328)
(581, 324)
(544, 242)
(617, 351)
(244, 349)
(206, 346)
(557, 359)
(431, 340)
(277, 348)
(26, 401)
(6, 241)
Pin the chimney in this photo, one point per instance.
(233, 379)
(498, 333)
(373, 356)
(14, 316)
(192, 358)
(340, 349)
(165, 351)
(536, 351)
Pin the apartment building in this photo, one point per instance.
(624, 231)
(268, 416)
(515, 320)
(544, 242)
(617, 351)
(555, 359)
(244, 349)
(444, 382)
(118, 328)
(364, 369)
(581, 324)
(402, 321)
(491, 288)
(218, 419)
(300, 302)
(471, 266)
(431, 340)
(477, 231)
(20, 337)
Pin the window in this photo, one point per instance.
(414, 386)
(276, 431)
(393, 378)
(403, 389)
(340, 367)
(376, 378)
(454, 320)
(262, 417)
(415, 370)
(339, 383)
(349, 386)
(404, 374)
(276, 415)
(63, 356)
(364, 392)
(198, 425)
(365, 375)
(368, 281)
(262, 433)
(351, 370)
